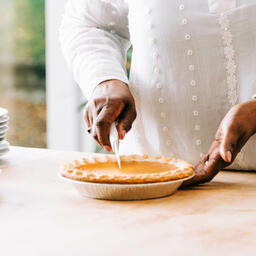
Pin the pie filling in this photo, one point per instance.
(135, 169)
(128, 168)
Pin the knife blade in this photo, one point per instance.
(114, 141)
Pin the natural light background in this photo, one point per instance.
(22, 70)
(45, 105)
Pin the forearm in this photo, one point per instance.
(93, 52)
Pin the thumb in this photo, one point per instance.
(228, 145)
(125, 121)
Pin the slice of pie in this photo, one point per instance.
(136, 169)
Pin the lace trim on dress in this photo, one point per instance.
(230, 62)
(219, 6)
(230, 66)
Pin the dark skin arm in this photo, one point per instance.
(111, 100)
(236, 128)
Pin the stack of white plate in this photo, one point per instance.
(4, 145)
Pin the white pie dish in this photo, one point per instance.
(4, 145)
(3, 124)
(4, 119)
(3, 135)
(3, 112)
(125, 192)
(4, 151)
(3, 129)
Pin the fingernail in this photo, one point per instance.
(229, 156)
(123, 133)
(107, 148)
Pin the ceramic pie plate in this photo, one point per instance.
(2, 136)
(4, 151)
(122, 192)
(4, 145)
(3, 112)
(4, 119)
(3, 129)
(3, 124)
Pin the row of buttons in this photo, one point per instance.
(191, 68)
(157, 71)
(112, 23)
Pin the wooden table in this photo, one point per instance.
(42, 215)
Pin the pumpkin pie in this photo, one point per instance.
(136, 169)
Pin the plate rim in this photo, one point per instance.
(122, 185)
(3, 129)
(4, 151)
(4, 119)
(4, 125)
(4, 142)
(5, 111)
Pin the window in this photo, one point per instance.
(22, 70)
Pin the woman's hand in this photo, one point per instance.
(111, 100)
(236, 128)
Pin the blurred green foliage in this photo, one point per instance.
(22, 30)
(29, 34)
(128, 63)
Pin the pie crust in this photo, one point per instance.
(136, 169)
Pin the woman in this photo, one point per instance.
(192, 78)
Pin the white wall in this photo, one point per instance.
(65, 125)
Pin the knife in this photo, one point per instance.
(114, 141)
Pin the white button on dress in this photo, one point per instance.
(193, 83)
(191, 67)
(190, 52)
(195, 113)
(198, 142)
(182, 7)
(161, 100)
(187, 37)
(194, 98)
(184, 22)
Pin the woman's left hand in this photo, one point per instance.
(236, 128)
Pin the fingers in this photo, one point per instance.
(101, 127)
(232, 142)
(207, 168)
(125, 121)
(212, 166)
(228, 145)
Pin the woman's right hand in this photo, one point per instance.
(111, 101)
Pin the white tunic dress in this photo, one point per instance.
(192, 61)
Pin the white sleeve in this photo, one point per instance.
(94, 38)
